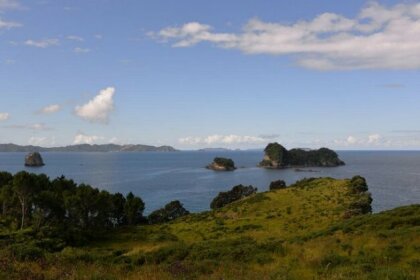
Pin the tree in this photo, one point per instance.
(118, 203)
(133, 209)
(5, 190)
(23, 187)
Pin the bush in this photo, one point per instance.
(358, 184)
(171, 211)
(276, 185)
(26, 252)
(237, 192)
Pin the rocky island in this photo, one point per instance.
(34, 160)
(277, 156)
(222, 164)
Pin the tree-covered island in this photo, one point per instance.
(277, 156)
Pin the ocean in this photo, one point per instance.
(158, 177)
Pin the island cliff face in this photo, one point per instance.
(222, 164)
(34, 160)
(277, 156)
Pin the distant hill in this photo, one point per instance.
(86, 148)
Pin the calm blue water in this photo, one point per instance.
(393, 176)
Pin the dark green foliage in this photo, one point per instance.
(170, 212)
(276, 185)
(237, 192)
(225, 162)
(321, 157)
(275, 153)
(276, 156)
(60, 212)
(359, 188)
(133, 209)
(358, 184)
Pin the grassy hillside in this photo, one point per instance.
(301, 232)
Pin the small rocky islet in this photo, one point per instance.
(34, 160)
(222, 164)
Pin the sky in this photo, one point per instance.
(197, 74)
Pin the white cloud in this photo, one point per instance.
(4, 116)
(98, 36)
(81, 50)
(362, 141)
(75, 38)
(9, 5)
(9, 24)
(379, 37)
(50, 109)
(221, 140)
(44, 43)
(374, 139)
(99, 108)
(86, 139)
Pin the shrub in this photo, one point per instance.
(171, 211)
(26, 252)
(358, 184)
(237, 192)
(276, 185)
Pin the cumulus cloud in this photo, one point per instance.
(4, 116)
(99, 108)
(86, 139)
(221, 140)
(44, 43)
(53, 108)
(81, 50)
(379, 37)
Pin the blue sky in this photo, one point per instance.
(192, 74)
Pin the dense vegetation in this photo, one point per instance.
(276, 156)
(61, 212)
(298, 232)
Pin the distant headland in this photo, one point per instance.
(87, 148)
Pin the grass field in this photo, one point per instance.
(300, 232)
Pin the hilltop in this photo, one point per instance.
(310, 230)
(87, 148)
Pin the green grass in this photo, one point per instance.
(295, 233)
